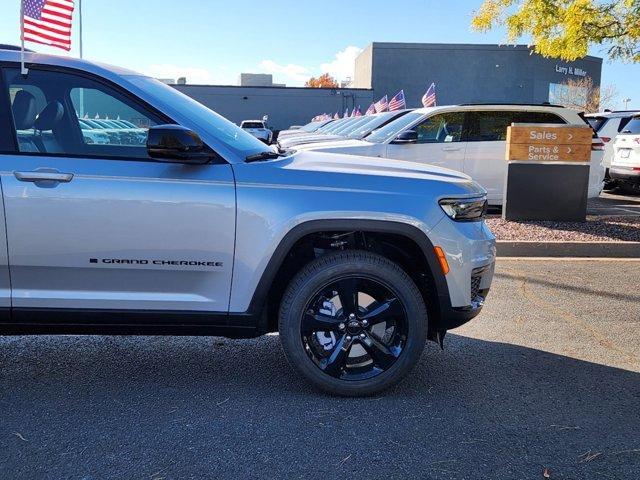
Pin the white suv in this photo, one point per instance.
(625, 166)
(607, 125)
(258, 129)
(467, 138)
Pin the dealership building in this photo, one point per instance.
(463, 73)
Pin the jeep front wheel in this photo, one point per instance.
(353, 323)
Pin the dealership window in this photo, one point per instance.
(57, 112)
(559, 93)
(441, 128)
(491, 126)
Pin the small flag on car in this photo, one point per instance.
(429, 98)
(398, 102)
(358, 112)
(336, 116)
(346, 113)
(371, 110)
(382, 105)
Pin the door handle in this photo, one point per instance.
(451, 149)
(43, 176)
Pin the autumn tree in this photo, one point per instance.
(581, 94)
(323, 81)
(567, 28)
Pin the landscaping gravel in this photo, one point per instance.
(598, 229)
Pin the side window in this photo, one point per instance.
(64, 113)
(491, 126)
(441, 128)
(538, 117)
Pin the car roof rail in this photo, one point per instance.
(515, 104)
(5, 46)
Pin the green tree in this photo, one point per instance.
(567, 28)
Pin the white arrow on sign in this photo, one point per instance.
(568, 149)
(570, 135)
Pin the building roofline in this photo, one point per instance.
(465, 46)
(269, 87)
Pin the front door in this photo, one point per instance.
(93, 222)
(439, 142)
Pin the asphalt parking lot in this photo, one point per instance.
(547, 378)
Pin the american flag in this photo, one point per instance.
(397, 102)
(381, 105)
(346, 113)
(357, 111)
(47, 22)
(371, 110)
(429, 98)
(336, 116)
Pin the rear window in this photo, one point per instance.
(633, 127)
(252, 125)
(596, 122)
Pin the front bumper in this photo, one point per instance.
(626, 175)
(470, 251)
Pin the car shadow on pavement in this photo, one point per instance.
(187, 407)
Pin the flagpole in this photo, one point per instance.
(80, 25)
(23, 69)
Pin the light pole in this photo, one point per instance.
(626, 103)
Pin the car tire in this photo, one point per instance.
(378, 353)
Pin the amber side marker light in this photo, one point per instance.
(442, 259)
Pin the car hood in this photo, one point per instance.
(294, 142)
(341, 142)
(362, 165)
(352, 173)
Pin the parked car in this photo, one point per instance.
(92, 134)
(308, 128)
(607, 125)
(466, 138)
(356, 132)
(339, 134)
(335, 129)
(258, 129)
(625, 166)
(355, 261)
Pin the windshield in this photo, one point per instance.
(633, 127)
(354, 125)
(391, 129)
(347, 123)
(252, 125)
(313, 126)
(333, 126)
(374, 122)
(204, 121)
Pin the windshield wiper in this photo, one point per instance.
(262, 156)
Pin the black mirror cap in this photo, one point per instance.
(408, 136)
(175, 143)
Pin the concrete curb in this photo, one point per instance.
(568, 249)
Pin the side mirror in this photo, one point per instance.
(408, 136)
(174, 143)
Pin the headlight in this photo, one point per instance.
(464, 209)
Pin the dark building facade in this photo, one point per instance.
(285, 106)
(462, 73)
(467, 73)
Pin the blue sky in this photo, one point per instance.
(213, 41)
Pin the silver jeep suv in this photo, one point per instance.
(205, 230)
